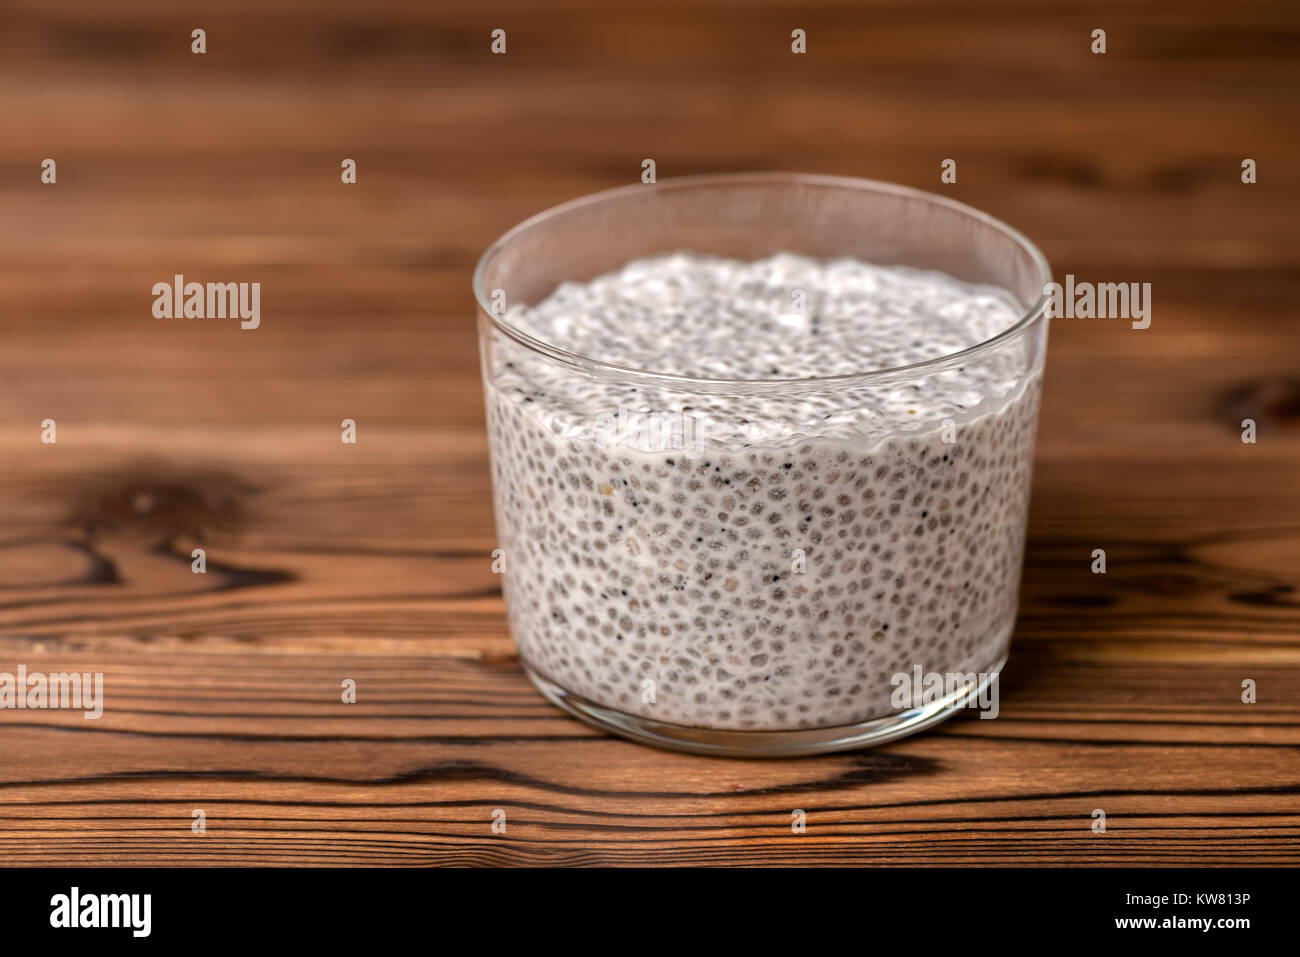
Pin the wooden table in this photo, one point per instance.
(371, 562)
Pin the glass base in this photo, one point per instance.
(762, 744)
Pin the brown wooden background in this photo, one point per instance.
(371, 562)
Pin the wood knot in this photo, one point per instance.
(164, 506)
(1272, 401)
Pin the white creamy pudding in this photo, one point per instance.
(763, 555)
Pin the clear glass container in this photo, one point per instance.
(652, 588)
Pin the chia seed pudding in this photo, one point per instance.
(767, 558)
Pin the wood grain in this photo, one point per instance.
(371, 562)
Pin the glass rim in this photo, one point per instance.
(593, 366)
